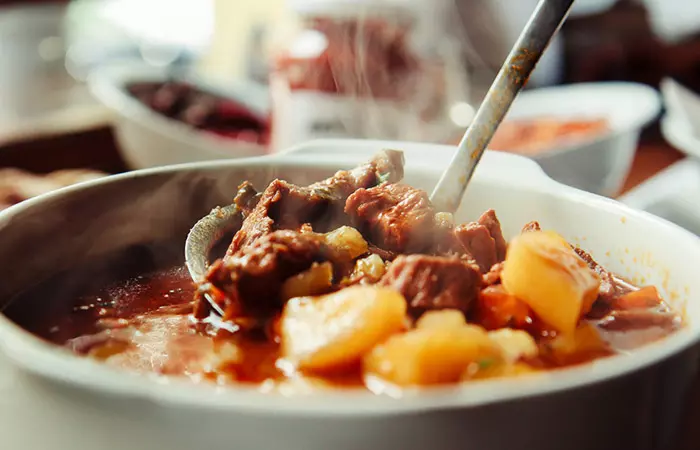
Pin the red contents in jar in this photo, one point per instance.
(202, 110)
(369, 58)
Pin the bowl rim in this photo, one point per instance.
(58, 364)
(613, 91)
(108, 85)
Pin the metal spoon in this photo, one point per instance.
(543, 24)
(204, 235)
(515, 71)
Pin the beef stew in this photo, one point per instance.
(357, 281)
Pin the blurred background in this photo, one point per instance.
(95, 87)
(106, 86)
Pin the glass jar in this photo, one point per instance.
(349, 69)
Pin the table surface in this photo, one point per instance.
(652, 156)
(97, 149)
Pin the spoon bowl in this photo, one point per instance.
(204, 236)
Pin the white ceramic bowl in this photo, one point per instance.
(147, 139)
(628, 401)
(601, 163)
(674, 193)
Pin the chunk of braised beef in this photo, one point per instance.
(640, 306)
(248, 282)
(610, 288)
(246, 198)
(286, 206)
(433, 282)
(477, 242)
(387, 166)
(490, 221)
(282, 206)
(386, 255)
(644, 298)
(481, 242)
(531, 226)
(395, 217)
(639, 319)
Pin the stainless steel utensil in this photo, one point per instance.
(515, 71)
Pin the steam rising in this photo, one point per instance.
(453, 50)
(457, 48)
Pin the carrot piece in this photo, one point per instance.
(498, 309)
(646, 297)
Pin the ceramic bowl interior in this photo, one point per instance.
(148, 214)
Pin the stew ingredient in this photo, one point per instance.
(357, 281)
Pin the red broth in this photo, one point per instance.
(144, 324)
(346, 281)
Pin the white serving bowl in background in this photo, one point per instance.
(629, 401)
(599, 163)
(674, 193)
(148, 139)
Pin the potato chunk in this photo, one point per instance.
(336, 330)
(542, 270)
(371, 267)
(314, 281)
(515, 344)
(445, 318)
(349, 240)
(428, 356)
(583, 344)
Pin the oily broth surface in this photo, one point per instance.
(151, 312)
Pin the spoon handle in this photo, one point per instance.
(542, 26)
